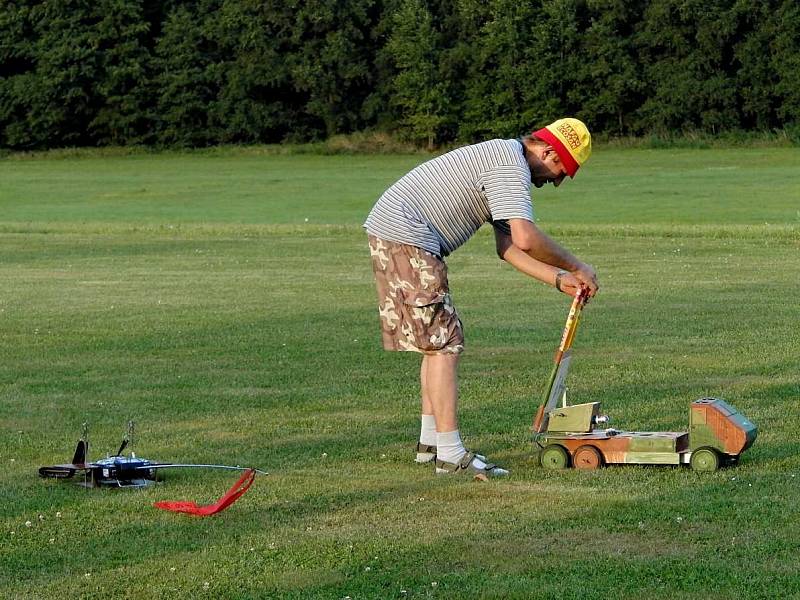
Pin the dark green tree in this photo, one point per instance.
(255, 100)
(785, 55)
(555, 60)
(609, 82)
(330, 61)
(17, 63)
(756, 79)
(686, 48)
(418, 93)
(186, 65)
(121, 114)
(524, 65)
(498, 83)
(535, 50)
(201, 72)
(78, 75)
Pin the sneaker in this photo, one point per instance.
(466, 466)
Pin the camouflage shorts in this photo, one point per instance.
(414, 303)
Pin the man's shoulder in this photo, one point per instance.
(489, 153)
(512, 145)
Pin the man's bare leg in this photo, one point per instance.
(435, 386)
(426, 449)
(439, 377)
(427, 406)
(439, 382)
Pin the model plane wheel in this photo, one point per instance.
(587, 457)
(705, 459)
(555, 457)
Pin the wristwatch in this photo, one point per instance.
(559, 275)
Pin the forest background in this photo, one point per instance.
(195, 73)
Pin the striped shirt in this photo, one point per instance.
(441, 203)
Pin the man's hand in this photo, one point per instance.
(568, 284)
(588, 278)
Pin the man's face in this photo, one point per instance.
(548, 169)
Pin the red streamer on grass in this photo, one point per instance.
(231, 496)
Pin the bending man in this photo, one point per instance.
(429, 213)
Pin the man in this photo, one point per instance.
(429, 213)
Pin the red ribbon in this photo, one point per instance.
(231, 496)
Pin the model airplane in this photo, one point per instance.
(130, 471)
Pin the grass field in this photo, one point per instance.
(225, 303)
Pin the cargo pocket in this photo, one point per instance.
(429, 318)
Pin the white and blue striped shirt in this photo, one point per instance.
(441, 203)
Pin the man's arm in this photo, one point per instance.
(524, 262)
(530, 240)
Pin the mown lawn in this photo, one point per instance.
(224, 302)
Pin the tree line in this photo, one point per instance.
(192, 73)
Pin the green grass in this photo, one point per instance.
(189, 293)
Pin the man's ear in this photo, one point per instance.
(550, 151)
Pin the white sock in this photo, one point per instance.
(449, 448)
(427, 433)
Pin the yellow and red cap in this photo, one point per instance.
(571, 140)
